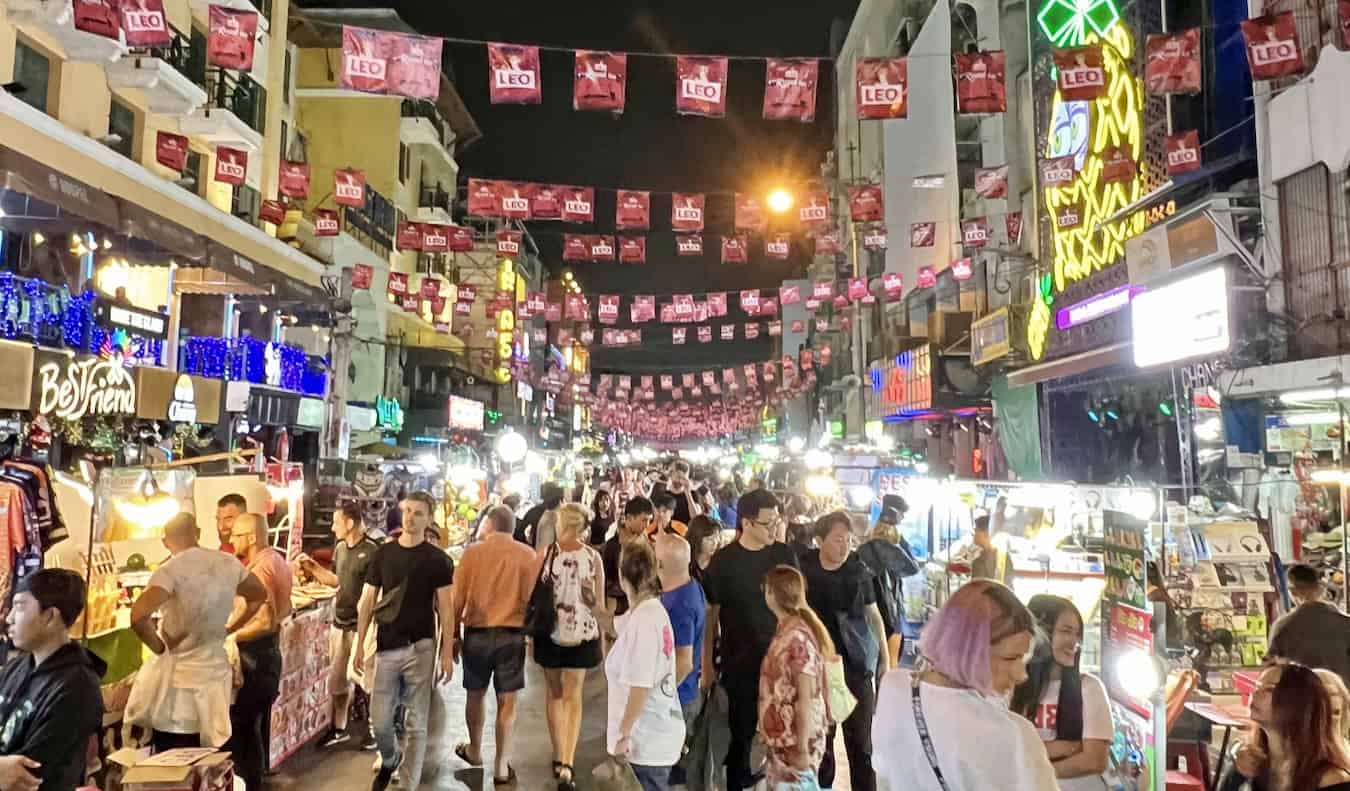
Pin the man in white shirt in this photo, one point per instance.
(195, 591)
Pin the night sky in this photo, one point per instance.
(649, 146)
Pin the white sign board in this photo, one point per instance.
(1183, 319)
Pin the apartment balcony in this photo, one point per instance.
(161, 76)
(423, 125)
(57, 19)
(433, 205)
(233, 116)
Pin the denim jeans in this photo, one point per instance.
(652, 778)
(403, 678)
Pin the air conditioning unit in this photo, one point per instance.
(946, 327)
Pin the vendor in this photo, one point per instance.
(259, 649)
(183, 696)
(228, 509)
(992, 563)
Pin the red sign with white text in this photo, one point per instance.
(229, 41)
(513, 74)
(1172, 62)
(880, 88)
(1183, 152)
(482, 201)
(688, 244)
(578, 204)
(790, 89)
(632, 210)
(922, 234)
(1272, 46)
(171, 150)
(231, 165)
(865, 203)
(1082, 73)
(701, 86)
(325, 222)
(508, 243)
(686, 211)
(778, 246)
(546, 202)
(633, 249)
(144, 23)
(734, 250)
(435, 238)
(815, 210)
(349, 187)
(992, 182)
(981, 82)
(408, 236)
(293, 179)
(750, 214)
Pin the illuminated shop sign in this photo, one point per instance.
(389, 414)
(989, 337)
(1086, 132)
(71, 387)
(466, 414)
(133, 320)
(1103, 304)
(1185, 318)
(906, 385)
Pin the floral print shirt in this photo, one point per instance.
(792, 653)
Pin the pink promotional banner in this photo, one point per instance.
(513, 74)
(144, 23)
(717, 303)
(778, 246)
(865, 203)
(701, 86)
(981, 82)
(578, 204)
(790, 89)
(599, 81)
(790, 295)
(735, 250)
(874, 238)
(686, 211)
(230, 35)
(546, 202)
(293, 179)
(881, 89)
(688, 244)
(632, 210)
(633, 249)
(231, 165)
(413, 65)
(349, 187)
(815, 209)
(750, 214)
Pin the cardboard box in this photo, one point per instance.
(195, 770)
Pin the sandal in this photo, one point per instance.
(462, 753)
(509, 780)
(557, 769)
(570, 783)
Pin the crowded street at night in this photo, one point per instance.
(871, 395)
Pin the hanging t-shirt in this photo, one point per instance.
(644, 656)
(1097, 724)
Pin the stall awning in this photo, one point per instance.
(101, 185)
(416, 332)
(1115, 354)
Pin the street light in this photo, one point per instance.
(511, 446)
(780, 200)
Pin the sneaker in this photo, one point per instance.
(368, 742)
(385, 775)
(333, 739)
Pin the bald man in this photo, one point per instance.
(195, 589)
(259, 650)
(684, 602)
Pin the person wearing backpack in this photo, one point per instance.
(840, 589)
(793, 720)
(890, 562)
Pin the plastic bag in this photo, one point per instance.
(615, 774)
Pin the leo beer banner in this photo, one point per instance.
(483, 200)
(513, 74)
(750, 214)
(790, 89)
(98, 17)
(349, 187)
(686, 211)
(144, 23)
(578, 204)
(865, 203)
(815, 211)
(293, 179)
(408, 236)
(632, 210)
(1172, 62)
(734, 250)
(1272, 46)
(632, 249)
(231, 165)
(1082, 73)
(171, 150)
(229, 41)
(992, 182)
(981, 82)
(599, 81)
(881, 89)
(325, 222)
(546, 202)
(461, 239)
(700, 86)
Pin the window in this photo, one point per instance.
(404, 164)
(122, 122)
(285, 139)
(286, 79)
(32, 70)
(193, 171)
(244, 204)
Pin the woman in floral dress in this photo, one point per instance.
(792, 719)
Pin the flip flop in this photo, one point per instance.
(509, 780)
(462, 753)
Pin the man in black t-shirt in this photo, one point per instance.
(680, 489)
(736, 609)
(407, 585)
(840, 589)
(352, 556)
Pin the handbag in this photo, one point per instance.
(839, 701)
(540, 614)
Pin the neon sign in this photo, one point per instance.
(73, 388)
(1094, 307)
(1088, 131)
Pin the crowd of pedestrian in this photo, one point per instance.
(740, 637)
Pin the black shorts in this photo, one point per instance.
(495, 655)
(567, 657)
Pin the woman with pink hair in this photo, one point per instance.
(946, 726)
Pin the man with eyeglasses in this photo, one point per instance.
(733, 583)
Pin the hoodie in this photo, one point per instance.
(48, 712)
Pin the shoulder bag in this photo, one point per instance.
(540, 614)
(921, 725)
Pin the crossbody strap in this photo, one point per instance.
(922, 726)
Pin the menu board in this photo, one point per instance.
(1125, 538)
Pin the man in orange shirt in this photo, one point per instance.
(495, 580)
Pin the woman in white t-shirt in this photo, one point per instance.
(946, 727)
(645, 722)
(1069, 709)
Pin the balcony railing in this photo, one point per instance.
(238, 94)
(374, 223)
(434, 198)
(420, 108)
(245, 360)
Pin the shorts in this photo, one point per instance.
(340, 642)
(583, 656)
(495, 655)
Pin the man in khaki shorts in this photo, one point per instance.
(351, 557)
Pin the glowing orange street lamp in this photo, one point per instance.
(780, 201)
